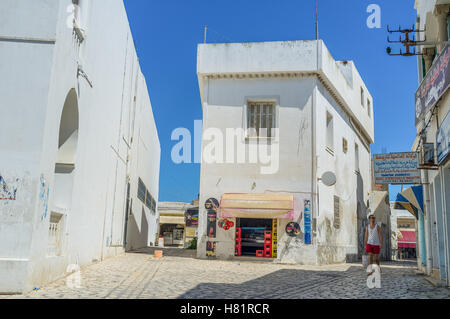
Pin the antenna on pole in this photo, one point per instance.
(206, 30)
(317, 23)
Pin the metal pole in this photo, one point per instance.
(206, 30)
(317, 23)
(427, 220)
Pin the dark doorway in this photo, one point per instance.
(252, 234)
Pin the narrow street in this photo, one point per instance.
(140, 275)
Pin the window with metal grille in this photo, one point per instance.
(148, 200)
(142, 190)
(54, 235)
(330, 132)
(362, 97)
(153, 208)
(344, 145)
(261, 119)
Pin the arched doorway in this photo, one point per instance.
(64, 172)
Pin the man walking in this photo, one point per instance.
(373, 241)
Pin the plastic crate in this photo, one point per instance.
(260, 253)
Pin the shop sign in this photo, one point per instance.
(434, 85)
(211, 224)
(212, 203)
(443, 140)
(397, 168)
(226, 224)
(307, 222)
(210, 249)
(191, 232)
(293, 229)
(211, 206)
(192, 217)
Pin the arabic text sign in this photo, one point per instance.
(434, 84)
(397, 168)
(443, 140)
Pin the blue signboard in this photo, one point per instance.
(307, 222)
(443, 140)
(434, 85)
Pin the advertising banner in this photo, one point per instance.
(396, 168)
(307, 224)
(443, 140)
(192, 217)
(433, 85)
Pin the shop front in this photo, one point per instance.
(255, 219)
(407, 244)
(172, 231)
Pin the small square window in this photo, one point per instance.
(362, 96)
(344, 145)
(261, 119)
(356, 158)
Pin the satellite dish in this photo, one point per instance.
(328, 178)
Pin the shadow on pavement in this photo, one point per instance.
(396, 282)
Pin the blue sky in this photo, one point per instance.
(166, 34)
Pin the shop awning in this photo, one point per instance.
(407, 239)
(257, 205)
(411, 200)
(178, 220)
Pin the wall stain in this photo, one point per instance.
(327, 254)
(43, 196)
(7, 192)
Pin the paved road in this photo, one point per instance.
(140, 275)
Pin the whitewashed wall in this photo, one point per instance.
(111, 124)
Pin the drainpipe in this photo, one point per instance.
(427, 217)
(421, 231)
(314, 212)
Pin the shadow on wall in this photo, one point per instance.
(137, 238)
(361, 211)
(380, 206)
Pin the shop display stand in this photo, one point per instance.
(268, 244)
(238, 242)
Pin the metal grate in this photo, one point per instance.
(260, 119)
(53, 239)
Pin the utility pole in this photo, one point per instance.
(206, 30)
(317, 23)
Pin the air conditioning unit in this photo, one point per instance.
(427, 158)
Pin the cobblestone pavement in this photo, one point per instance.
(138, 275)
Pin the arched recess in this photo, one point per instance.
(64, 173)
(68, 135)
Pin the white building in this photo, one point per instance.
(79, 157)
(433, 131)
(320, 117)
